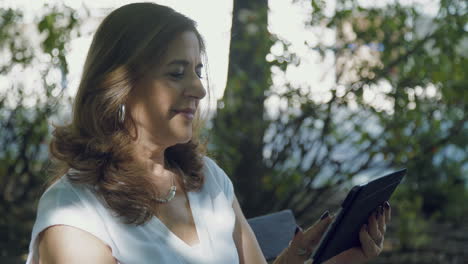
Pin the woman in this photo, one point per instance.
(132, 182)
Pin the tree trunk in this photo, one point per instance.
(239, 125)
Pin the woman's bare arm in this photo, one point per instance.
(65, 244)
(246, 242)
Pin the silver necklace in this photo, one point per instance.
(170, 195)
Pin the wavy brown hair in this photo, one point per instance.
(129, 42)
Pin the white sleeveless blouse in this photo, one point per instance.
(64, 203)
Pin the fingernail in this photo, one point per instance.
(380, 210)
(298, 228)
(387, 205)
(325, 215)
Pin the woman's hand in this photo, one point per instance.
(371, 237)
(304, 242)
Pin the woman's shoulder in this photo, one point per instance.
(208, 161)
(67, 204)
(58, 190)
(211, 163)
(212, 169)
(221, 179)
(62, 192)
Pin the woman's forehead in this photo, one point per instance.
(185, 48)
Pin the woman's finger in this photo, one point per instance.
(387, 212)
(296, 246)
(381, 220)
(373, 228)
(304, 242)
(314, 233)
(298, 241)
(368, 245)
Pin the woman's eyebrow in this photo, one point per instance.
(183, 63)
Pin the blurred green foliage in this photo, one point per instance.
(411, 226)
(24, 115)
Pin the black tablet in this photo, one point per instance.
(359, 204)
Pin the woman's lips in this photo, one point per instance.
(187, 113)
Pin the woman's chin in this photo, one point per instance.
(182, 139)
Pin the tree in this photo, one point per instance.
(238, 128)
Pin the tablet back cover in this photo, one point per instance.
(355, 210)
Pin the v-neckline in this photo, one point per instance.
(193, 207)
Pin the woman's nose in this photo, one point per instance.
(196, 90)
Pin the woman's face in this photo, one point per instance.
(163, 103)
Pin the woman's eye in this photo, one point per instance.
(180, 75)
(177, 75)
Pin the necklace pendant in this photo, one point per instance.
(172, 193)
(169, 196)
